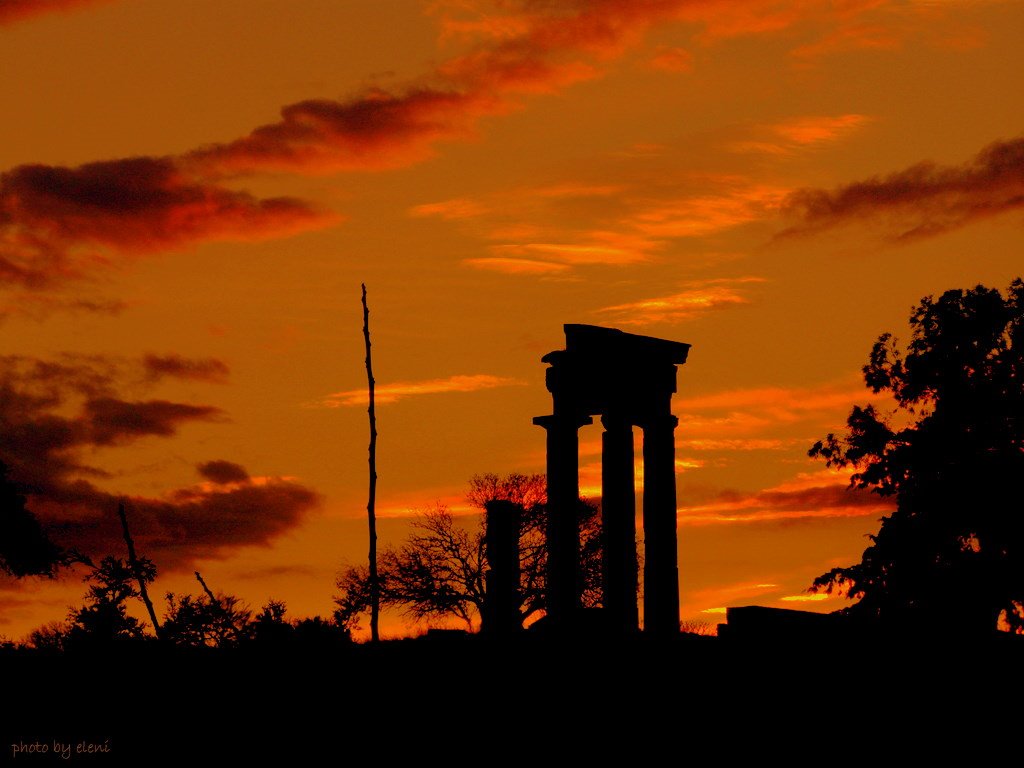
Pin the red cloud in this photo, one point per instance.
(670, 59)
(53, 218)
(112, 421)
(375, 130)
(925, 199)
(525, 49)
(820, 497)
(12, 11)
(206, 369)
(185, 525)
(223, 472)
(190, 525)
(54, 413)
(38, 306)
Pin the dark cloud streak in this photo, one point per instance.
(920, 201)
(826, 499)
(13, 11)
(59, 223)
(115, 422)
(207, 369)
(223, 472)
(54, 413)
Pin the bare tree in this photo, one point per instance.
(695, 627)
(371, 515)
(440, 569)
(133, 563)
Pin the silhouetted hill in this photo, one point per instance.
(466, 699)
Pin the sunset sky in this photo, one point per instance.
(192, 192)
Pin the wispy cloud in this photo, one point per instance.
(630, 226)
(208, 369)
(739, 444)
(576, 189)
(719, 596)
(809, 598)
(57, 223)
(459, 208)
(810, 495)
(632, 220)
(797, 133)
(12, 11)
(923, 200)
(813, 130)
(692, 301)
(852, 38)
(780, 403)
(671, 59)
(702, 215)
(409, 504)
(514, 266)
(39, 306)
(60, 223)
(782, 419)
(686, 464)
(600, 248)
(399, 390)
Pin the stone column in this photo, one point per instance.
(563, 536)
(501, 539)
(618, 524)
(661, 571)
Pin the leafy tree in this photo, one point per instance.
(216, 622)
(271, 628)
(270, 625)
(104, 617)
(25, 550)
(951, 455)
(315, 632)
(52, 636)
(439, 571)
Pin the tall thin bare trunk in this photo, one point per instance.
(133, 563)
(372, 502)
(206, 589)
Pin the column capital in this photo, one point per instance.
(556, 420)
(616, 420)
(663, 421)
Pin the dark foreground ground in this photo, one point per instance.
(468, 700)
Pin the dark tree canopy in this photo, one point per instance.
(25, 550)
(104, 618)
(951, 556)
(218, 622)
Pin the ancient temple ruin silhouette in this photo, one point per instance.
(628, 380)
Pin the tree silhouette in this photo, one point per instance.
(25, 550)
(371, 503)
(439, 571)
(224, 621)
(216, 622)
(133, 563)
(951, 556)
(104, 618)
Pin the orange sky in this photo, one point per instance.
(191, 194)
